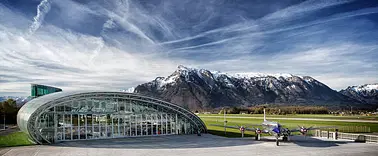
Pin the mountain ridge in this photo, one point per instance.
(202, 89)
(366, 93)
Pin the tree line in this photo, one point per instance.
(8, 109)
(280, 110)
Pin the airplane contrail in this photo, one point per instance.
(100, 43)
(42, 9)
(287, 13)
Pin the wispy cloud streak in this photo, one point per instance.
(114, 45)
(42, 9)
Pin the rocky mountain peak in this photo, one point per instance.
(186, 71)
(365, 87)
(367, 93)
(200, 89)
(182, 68)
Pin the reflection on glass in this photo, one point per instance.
(95, 119)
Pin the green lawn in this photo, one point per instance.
(316, 116)
(355, 127)
(21, 139)
(14, 139)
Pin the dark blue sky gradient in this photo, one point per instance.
(134, 41)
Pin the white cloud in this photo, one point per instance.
(42, 9)
(129, 45)
(72, 61)
(303, 8)
(337, 66)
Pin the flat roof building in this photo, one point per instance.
(85, 115)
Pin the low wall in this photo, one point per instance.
(348, 136)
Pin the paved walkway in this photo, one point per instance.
(188, 145)
(9, 130)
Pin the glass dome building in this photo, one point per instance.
(66, 116)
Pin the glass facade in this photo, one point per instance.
(98, 115)
(40, 90)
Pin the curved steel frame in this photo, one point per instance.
(51, 101)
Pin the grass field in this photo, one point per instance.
(355, 127)
(21, 139)
(14, 139)
(314, 116)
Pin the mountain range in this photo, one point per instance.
(20, 100)
(367, 93)
(201, 89)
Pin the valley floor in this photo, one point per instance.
(349, 124)
(293, 118)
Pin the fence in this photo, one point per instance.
(350, 129)
(348, 136)
(354, 129)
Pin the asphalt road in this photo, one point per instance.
(188, 145)
(304, 119)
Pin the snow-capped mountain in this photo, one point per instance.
(367, 93)
(129, 90)
(19, 100)
(198, 89)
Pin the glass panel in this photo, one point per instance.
(148, 124)
(116, 126)
(108, 126)
(127, 126)
(102, 106)
(67, 107)
(133, 126)
(102, 121)
(60, 118)
(96, 125)
(121, 126)
(162, 123)
(59, 134)
(138, 122)
(169, 124)
(109, 107)
(75, 130)
(96, 106)
(155, 125)
(67, 127)
(144, 124)
(75, 106)
(82, 126)
(158, 122)
(89, 126)
(116, 120)
(75, 133)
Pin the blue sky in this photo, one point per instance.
(112, 45)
